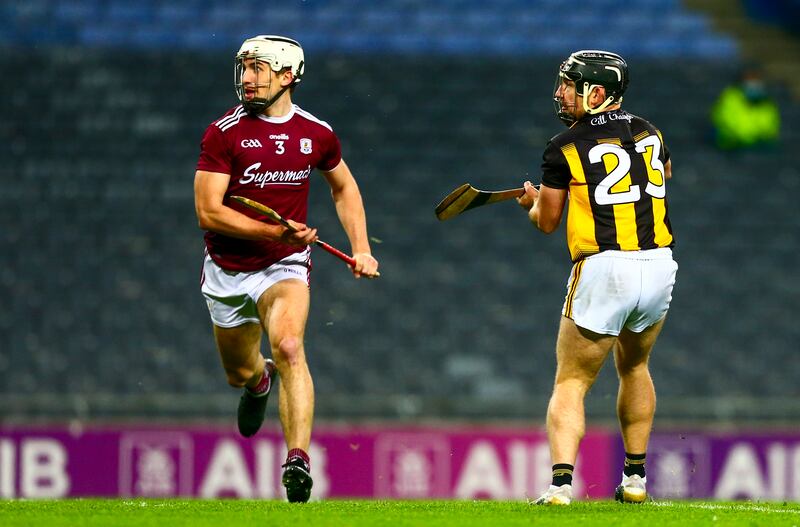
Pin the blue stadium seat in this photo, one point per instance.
(400, 26)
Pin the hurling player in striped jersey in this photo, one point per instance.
(255, 272)
(613, 166)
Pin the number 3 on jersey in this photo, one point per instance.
(649, 147)
(279, 149)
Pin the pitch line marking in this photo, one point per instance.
(743, 507)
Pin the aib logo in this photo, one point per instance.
(251, 143)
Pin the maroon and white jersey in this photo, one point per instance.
(269, 159)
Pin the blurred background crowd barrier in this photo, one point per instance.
(104, 104)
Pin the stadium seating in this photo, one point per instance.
(102, 251)
(464, 27)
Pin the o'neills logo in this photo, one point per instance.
(278, 177)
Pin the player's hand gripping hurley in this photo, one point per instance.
(271, 214)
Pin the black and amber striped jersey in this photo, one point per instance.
(612, 163)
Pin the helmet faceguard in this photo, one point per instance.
(590, 69)
(279, 53)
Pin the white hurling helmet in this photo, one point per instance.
(276, 51)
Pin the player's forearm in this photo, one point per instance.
(350, 209)
(547, 208)
(533, 215)
(544, 224)
(224, 220)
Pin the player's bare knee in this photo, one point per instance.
(238, 377)
(575, 382)
(631, 367)
(289, 351)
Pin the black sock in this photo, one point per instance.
(634, 464)
(562, 474)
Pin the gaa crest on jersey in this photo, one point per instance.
(305, 145)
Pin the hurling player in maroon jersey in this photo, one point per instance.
(255, 273)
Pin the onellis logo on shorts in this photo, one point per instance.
(251, 143)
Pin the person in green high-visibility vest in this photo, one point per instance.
(745, 116)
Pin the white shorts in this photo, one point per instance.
(232, 296)
(612, 290)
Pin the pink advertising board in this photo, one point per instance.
(358, 461)
(408, 462)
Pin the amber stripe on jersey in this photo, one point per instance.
(663, 231)
(580, 221)
(573, 286)
(653, 223)
(624, 213)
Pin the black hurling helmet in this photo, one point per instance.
(590, 68)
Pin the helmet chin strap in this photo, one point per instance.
(258, 105)
(587, 89)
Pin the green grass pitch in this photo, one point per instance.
(245, 513)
